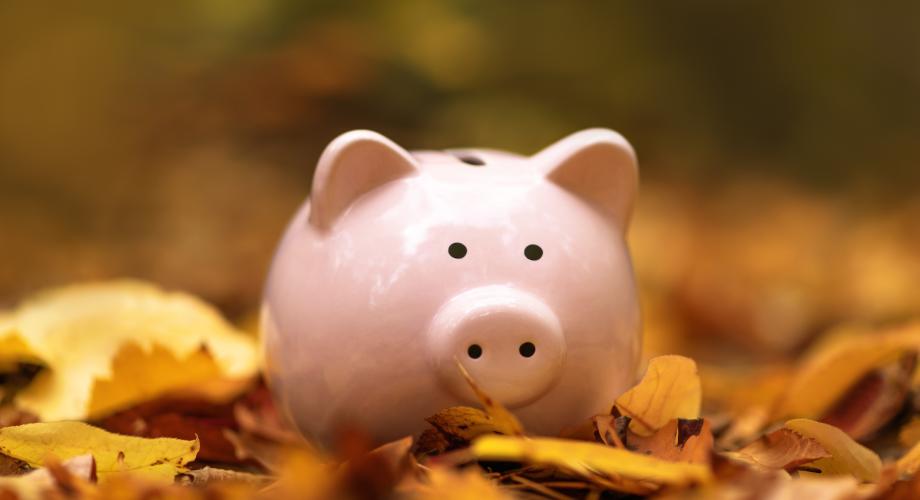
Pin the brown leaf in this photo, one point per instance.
(71, 478)
(874, 400)
(463, 424)
(611, 430)
(209, 475)
(430, 442)
(781, 449)
(838, 363)
(183, 419)
(454, 428)
(681, 440)
(504, 421)
(10, 466)
(374, 473)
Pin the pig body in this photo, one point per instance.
(402, 265)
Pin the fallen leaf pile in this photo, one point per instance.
(123, 390)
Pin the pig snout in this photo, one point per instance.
(509, 341)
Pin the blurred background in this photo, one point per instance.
(778, 142)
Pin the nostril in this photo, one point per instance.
(474, 351)
(527, 349)
(470, 159)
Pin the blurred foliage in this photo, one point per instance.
(171, 140)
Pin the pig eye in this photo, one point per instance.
(457, 250)
(533, 252)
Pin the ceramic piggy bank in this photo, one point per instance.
(403, 264)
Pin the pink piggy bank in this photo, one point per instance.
(402, 265)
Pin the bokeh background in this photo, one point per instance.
(779, 148)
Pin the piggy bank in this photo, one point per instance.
(402, 265)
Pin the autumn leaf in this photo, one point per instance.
(781, 449)
(160, 458)
(909, 464)
(669, 390)
(109, 345)
(909, 434)
(847, 456)
(504, 421)
(40, 483)
(589, 459)
(454, 427)
(837, 363)
(874, 400)
(448, 484)
(680, 440)
(463, 423)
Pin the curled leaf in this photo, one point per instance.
(847, 456)
(452, 428)
(681, 440)
(70, 476)
(781, 449)
(669, 390)
(463, 424)
(874, 400)
(505, 422)
(837, 363)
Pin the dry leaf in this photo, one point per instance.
(59, 476)
(837, 363)
(373, 473)
(910, 462)
(781, 449)
(110, 345)
(448, 484)
(589, 460)
(909, 435)
(209, 475)
(680, 440)
(610, 430)
(505, 422)
(874, 400)
(669, 390)
(463, 423)
(454, 427)
(303, 474)
(159, 458)
(180, 418)
(847, 456)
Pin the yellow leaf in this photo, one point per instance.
(847, 456)
(114, 453)
(670, 389)
(448, 484)
(836, 363)
(910, 462)
(589, 459)
(504, 421)
(114, 344)
(14, 350)
(909, 435)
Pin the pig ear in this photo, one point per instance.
(599, 166)
(353, 164)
